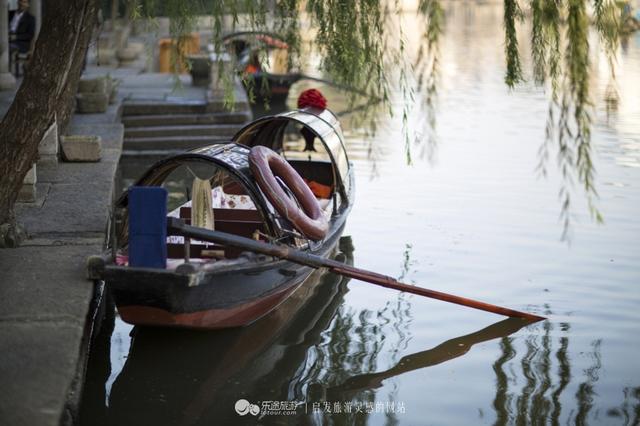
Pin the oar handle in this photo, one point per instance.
(177, 227)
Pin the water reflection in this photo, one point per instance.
(312, 350)
(444, 352)
(528, 391)
(315, 351)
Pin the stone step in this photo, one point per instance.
(161, 108)
(171, 143)
(217, 104)
(183, 106)
(215, 130)
(238, 117)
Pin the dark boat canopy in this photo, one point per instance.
(231, 157)
(269, 131)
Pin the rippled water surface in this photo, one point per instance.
(469, 217)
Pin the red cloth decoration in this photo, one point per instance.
(312, 98)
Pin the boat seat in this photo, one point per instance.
(233, 212)
(243, 222)
(222, 200)
(201, 250)
(233, 221)
(319, 172)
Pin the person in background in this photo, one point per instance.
(22, 27)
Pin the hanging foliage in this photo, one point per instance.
(428, 65)
(353, 39)
(512, 14)
(352, 42)
(561, 60)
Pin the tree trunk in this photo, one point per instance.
(65, 109)
(47, 89)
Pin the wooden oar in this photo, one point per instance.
(178, 227)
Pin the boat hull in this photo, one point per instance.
(237, 316)
(240, 313)
(229, 297)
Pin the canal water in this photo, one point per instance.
(471, 217)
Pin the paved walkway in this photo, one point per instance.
(45, 299)
(46, 302)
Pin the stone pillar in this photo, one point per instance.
(35, 7)
(48, 148)
(27, 193)
(7, 80)
(114, 12)
(218, 60)
(110, 24)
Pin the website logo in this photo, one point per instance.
(244, 407)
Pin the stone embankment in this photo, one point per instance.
(48, 308)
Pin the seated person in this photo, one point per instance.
(22, 28)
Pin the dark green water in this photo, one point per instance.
(470, 217)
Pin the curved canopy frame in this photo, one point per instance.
(269, 131)
(233, 158)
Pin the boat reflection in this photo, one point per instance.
(183, 377)
(195, 377)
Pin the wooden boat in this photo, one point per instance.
(214, 360)
(214, 357)
(263, 56)
(204, 285)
